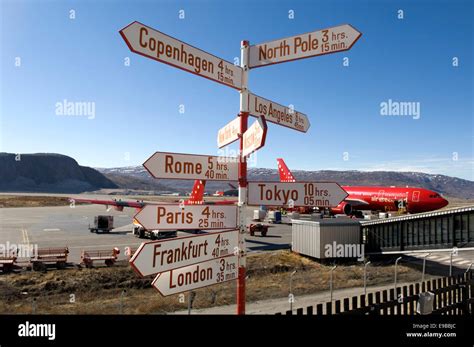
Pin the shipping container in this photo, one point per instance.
(314, 238)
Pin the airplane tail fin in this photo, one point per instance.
(197, 194)
(285, 173)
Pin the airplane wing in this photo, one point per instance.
(196, 198)
(356, 202)
(117, 204)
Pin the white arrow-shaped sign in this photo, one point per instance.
(317, 194)
(164, 255)
(192, 167)
(278, 114)
(153, 44)
(326, 41)
(187, 217)
(228, 133)
(197, 276)
(254, 137)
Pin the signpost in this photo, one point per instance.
(199, 261)
(197, 276)
(317, 194)
(192, 167)
(188, 217)
(228, 133)
(326, 41)
(165, 255)
(153, 44)
(254, 137)
(277, 113)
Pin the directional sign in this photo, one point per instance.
(295, 194)
(277, 113)
(229, 133)
(164, 255)
(326, 41)
(187, 217)
(153, 44)
(192, 166)
(254, 137)
(197, 276)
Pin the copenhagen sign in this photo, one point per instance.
(153, 44)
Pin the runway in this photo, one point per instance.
(68, 226)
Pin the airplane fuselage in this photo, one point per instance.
(389, 198)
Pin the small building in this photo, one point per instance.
(327, 238)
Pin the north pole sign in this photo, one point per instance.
(165, 255)
(278, 114)
(187, 217)
(197, 276)
(326, 41)
(153, 44)
(295, 194)
(192, 167)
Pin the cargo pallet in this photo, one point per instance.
(108, 256)
(7, 264)
(45, 256)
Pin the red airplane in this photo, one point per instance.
(230, 192)
(196, 198)
(378, 198)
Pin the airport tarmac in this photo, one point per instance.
(68, 226)
(62, 226)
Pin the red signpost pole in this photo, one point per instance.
(244, 114)
(242, 189)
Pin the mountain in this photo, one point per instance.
(446, 185)
(48, 172)
(56, 173)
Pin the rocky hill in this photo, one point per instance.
(55, 173)
(48, 172)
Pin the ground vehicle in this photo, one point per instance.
(108, 256)
(7, 263)
(102, 224)
(142, 233)
(261, 228)
(44, 256)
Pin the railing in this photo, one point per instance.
(452, 296)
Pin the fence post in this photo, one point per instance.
(424, 267)
(396, 270)
(365, 277)
(330, 281)
(319, 309)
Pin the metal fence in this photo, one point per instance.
(439, 229)
(452, 296)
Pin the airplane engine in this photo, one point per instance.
(118, 208)
(342, 208)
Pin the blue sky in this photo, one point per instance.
(137, 106)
